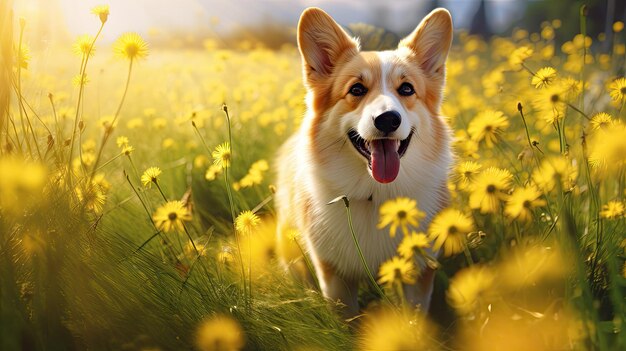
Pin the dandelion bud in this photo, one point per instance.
(193, 123)
(50, 96)
(225, 108)
(102, 11)
(50, 141)
(272, 189)
(103, 17)
(584, 10)
(81, 125)
(519, 107)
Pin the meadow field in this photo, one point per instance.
(136, 208)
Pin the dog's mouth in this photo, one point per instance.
(382, 155)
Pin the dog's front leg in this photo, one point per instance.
(338, 289)
(419, 294)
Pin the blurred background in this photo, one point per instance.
(271, 23)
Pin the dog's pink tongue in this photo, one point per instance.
(385, 160)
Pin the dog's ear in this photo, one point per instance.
(323, 43)
(431, 40)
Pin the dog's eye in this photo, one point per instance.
(406, 89)
(358, 90)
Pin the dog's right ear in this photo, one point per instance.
(323, 44)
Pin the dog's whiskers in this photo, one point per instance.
(332, 144)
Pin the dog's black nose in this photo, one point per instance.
(388, 121)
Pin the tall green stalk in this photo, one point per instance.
(232, 208)
(109, 131)
(82, 72)
(373, 282)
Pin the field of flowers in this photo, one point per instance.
(136, 204)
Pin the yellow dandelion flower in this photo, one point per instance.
(544, 77)
(465, 173)
(469, 148)
(552, 168)
(489, 188)
(487, 126)
(151, 175)
(130, 46)
(83, 46)
(255, 174)
(551, 103)
(397, 270)
(470, 290)
(392, 331)
(89, 145)
(134, 123)
(168, 143)
(159, 123)
(520, 204)
(246, 222)
(618, 26)
(121, 141)
(413, 244)
(607, 149)
(260, 165)
(293, 234)
(20, 182)
(547, 33)
(171, 216)
(91, 197)
(80, 80)
(100, 181)
(221, 155)
(401, 212)
(212, 172)
(518, 56)
(612, 210)
(449, 231)
(617, 89)
(102, 11)
(601, 120)
(127, 150)
(220, 333)
(571, 87)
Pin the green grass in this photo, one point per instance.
(72, 278)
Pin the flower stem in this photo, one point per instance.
(83, 68)
(360, 252)
(109, 131)
(232, 205)
(308, 263)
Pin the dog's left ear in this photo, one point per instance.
(431, 40)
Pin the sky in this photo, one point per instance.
(224, 15)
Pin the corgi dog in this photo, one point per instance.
(373, 133)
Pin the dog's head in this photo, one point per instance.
(380, 102)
